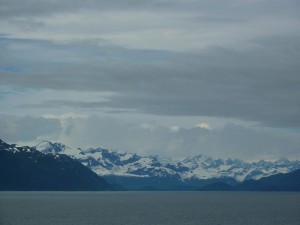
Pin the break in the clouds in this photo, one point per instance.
(178, 61)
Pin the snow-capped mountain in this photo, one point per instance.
(14, 148)
(111, 162)
(48, 147)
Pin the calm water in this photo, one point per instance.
(149, 208)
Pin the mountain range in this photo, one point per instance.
(133, 171)
(54, 166)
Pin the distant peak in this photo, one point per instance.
(45, 142)
(261, 161)
(199, 157)
(282, 160)
(50, 147)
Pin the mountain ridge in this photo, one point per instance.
(106, 162)
(278, 182)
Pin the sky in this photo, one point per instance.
(174, 78)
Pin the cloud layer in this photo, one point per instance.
(260, 84)
(231, 140)
(131, 65)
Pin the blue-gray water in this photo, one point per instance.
(149, 208)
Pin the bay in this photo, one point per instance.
(149, 208)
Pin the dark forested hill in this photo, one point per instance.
(279, 182)
(24, 168)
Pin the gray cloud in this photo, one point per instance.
(25, 129)
(232, 140)
(121, 20)
(235, 60)
(260, 84)
(16, 8)
(37, 7)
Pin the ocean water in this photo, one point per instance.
(149, 208)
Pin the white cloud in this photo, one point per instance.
(203, 126)
(69, 115)
(174, 129)
(147, 126)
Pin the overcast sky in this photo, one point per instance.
(174, 78)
